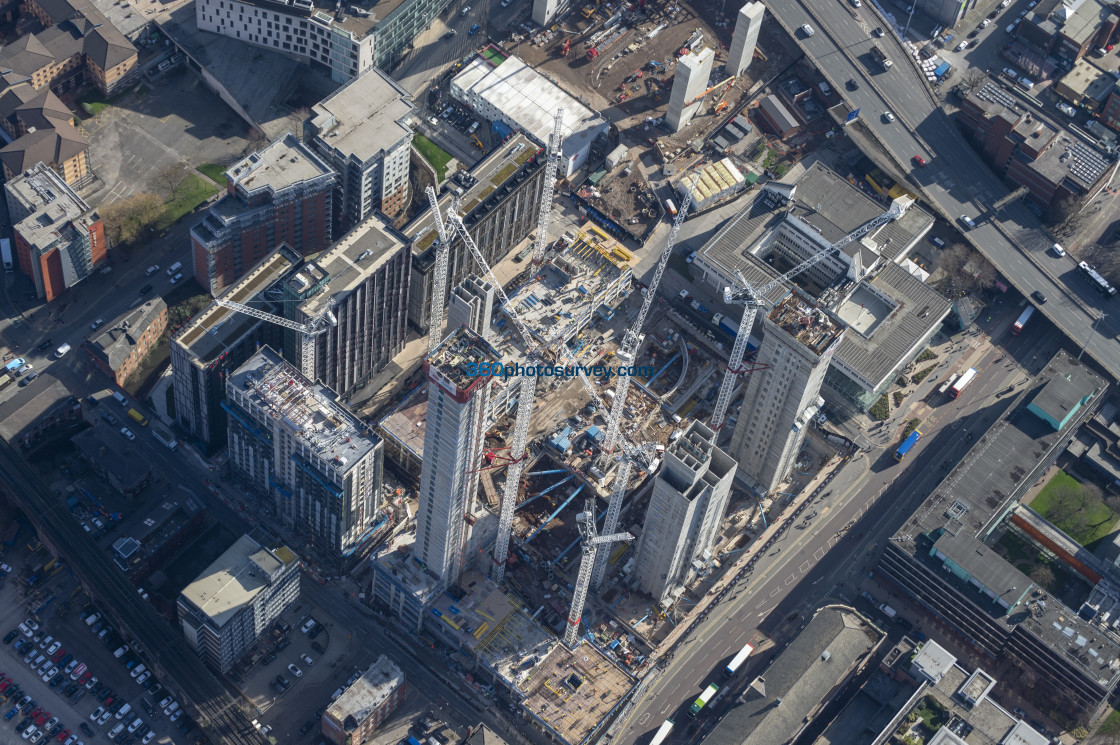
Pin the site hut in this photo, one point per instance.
(291, 442)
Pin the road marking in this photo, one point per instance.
(790, 579)
(804, 566)
(818, 554)
(776, 591)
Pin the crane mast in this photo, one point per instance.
(439, 281)
(628, 351)
(630, 455)
(590, 548)
(308, 330)
(555, 153)
(752, 298)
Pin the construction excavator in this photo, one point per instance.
(565, 47)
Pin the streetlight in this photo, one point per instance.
(1092, 330)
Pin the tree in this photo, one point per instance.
(257, 139)
(965, 270)
(131, 219)
(973, 78)
(1063, 210)
(1043, 576)
(1067, 500)
(297, 118)
(172, 179)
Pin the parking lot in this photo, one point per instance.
(97, 678)
(157, 124)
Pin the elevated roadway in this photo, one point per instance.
(180, 670)
(956, 182)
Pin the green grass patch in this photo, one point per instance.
(194, 192)
(1111, 724)
(93, 108)
(1091, 521)
(926, 355)
(505, 173)
(910, 427)
(881, 409)
(436, 156)
(898, 398)
(921, 375)
(215, 172)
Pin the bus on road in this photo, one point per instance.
(739, 659)
(963, 381)
(662, 732)
(908, 443)
(701, 702)
(947, 384)
(1023, 318)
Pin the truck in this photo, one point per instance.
(888, 611)
(910, 441)
(162, 434)
(881, 57)
(6, 252)
(726, 324)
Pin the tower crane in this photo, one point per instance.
(628, 351)
(590, 545)
(317, 326)
(525, 402)
(753, 298)
(631, 455)
(555, 153)
(439, 281)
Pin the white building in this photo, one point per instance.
(290, 440)
(686, 507)
(227, 607)
(457, 404)
(511, 92)
(780, 401)
(745, 38)
(693, 72)
(362, 131)
(471, 304)
(345, 39)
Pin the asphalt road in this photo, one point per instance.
(956, 181)
(822, 561)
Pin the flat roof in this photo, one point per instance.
(347, 264)
(804, 321)
(366, 694)
(235, 578)
(366, 116)
(282, 164)
(461, 352)
(486, 178)
(801, 679)
(530, 100)
(1062, 394)
(405, 425)
(572, 692)
(28, 404)
(216, 329)
(306, 410)
(50, 205)
(397, 559)
(115, 341)
(886, 316)
(104, 445)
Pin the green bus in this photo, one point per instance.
(701, 702)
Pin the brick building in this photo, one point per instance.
(1029, 151)
(119, 347)
(367, 703)
(283, 194)
(59, 240)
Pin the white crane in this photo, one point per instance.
(439, 280)
(590, 545)
(628, 351)
(753, 297)
(631, 455)
(555, 153)
(317, 326)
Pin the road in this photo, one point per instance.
(956, 182)
(822, 561)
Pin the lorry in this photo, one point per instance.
(165, 437)
(6, 252)
(726, 324)
(881, 57)
(888, 611)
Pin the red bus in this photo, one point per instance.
(963, 381)
(1023, 318)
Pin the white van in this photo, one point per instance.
(1026, 83)
(1059, 251)
(123, 711)
(937, 242)
(174, 268)
(120, 398)
(967, 221)
(61, 351)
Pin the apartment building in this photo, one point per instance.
(118, 347)
(58, 239)
(293, 443)
(781, 400)
(281, 194)
(499, 204)
(365, 704)
(362, 131)
(686, 507)
(233, 602)
(362, 282)
(218, 340)
(342, 40)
